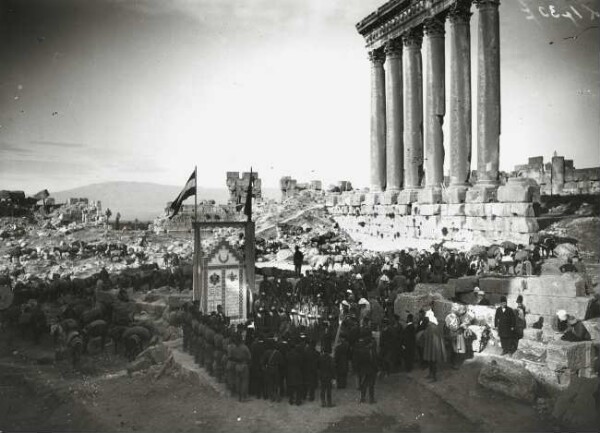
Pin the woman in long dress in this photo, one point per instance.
(434, 350)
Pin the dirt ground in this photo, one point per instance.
(36, 394)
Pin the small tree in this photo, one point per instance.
(117, 221)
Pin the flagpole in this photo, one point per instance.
(195, 282)
(196, 195)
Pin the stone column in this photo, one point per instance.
(394, 121)
(460, 102)
(413, 116)
(378, 175)
(488, 103)
(435, 109)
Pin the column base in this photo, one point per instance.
(455, 194)
(373, 198)
(482, 193)
(390, 197)
(430, 195)
(409, 195)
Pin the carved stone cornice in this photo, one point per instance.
(393, 48)
(377, 57)
(396, 17)
(434, 27)
(413, 39)
(460, 13)
(487, 4)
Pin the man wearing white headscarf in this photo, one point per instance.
(434, 350)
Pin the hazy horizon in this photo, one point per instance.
(144, 90)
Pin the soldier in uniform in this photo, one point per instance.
(341, 362)
(294, 373)
(218, 353)
(326, 372)
(230, 366)
(272, 362)
(310, 373)
(209, 340)
(257, 349)
(242, 358)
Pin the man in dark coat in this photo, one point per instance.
(389, 342)
(505, 322)
(366, 363)
(326, 372)
(341, 362)
(310, 373)
(294, 374)
(408, 343)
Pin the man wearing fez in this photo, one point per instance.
(505, 322)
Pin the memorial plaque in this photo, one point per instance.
(224, 282)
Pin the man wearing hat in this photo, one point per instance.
(480, 295)
(505, 323)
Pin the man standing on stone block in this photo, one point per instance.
(298, 259)
(505, 323)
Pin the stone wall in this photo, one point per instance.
(479, 223)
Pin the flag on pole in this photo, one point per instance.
(248, 205)
(188, 190)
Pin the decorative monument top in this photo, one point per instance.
(396, 17)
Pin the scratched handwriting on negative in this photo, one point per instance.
(577, 13)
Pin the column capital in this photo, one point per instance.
(460, 13)
(486, 4)
(413, 38)
(393, 48)
(377, 56)
(434, 27)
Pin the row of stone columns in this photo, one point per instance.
(407, 144)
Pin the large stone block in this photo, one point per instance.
(521, 225)
(567, 284)
(357, 199)
(430, 195)
(390, 197)
(455, 194)
(510, 379)
(532, 334)
(481, 194)
(457, 209)
(575, 408)
(549, 305)
(484, 315)
(402, 209)
(518, 190)
(331, 199)
(408, 196)
(445, 290)
(464, 284)
(593, 327)
(412, 302)
(427, 209)
(474, 209)
(571, 355)
(373, 198)
(441, 308)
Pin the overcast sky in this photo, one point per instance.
(102, 90)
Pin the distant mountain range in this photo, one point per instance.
(143, 200)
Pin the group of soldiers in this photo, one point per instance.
(253, 361)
